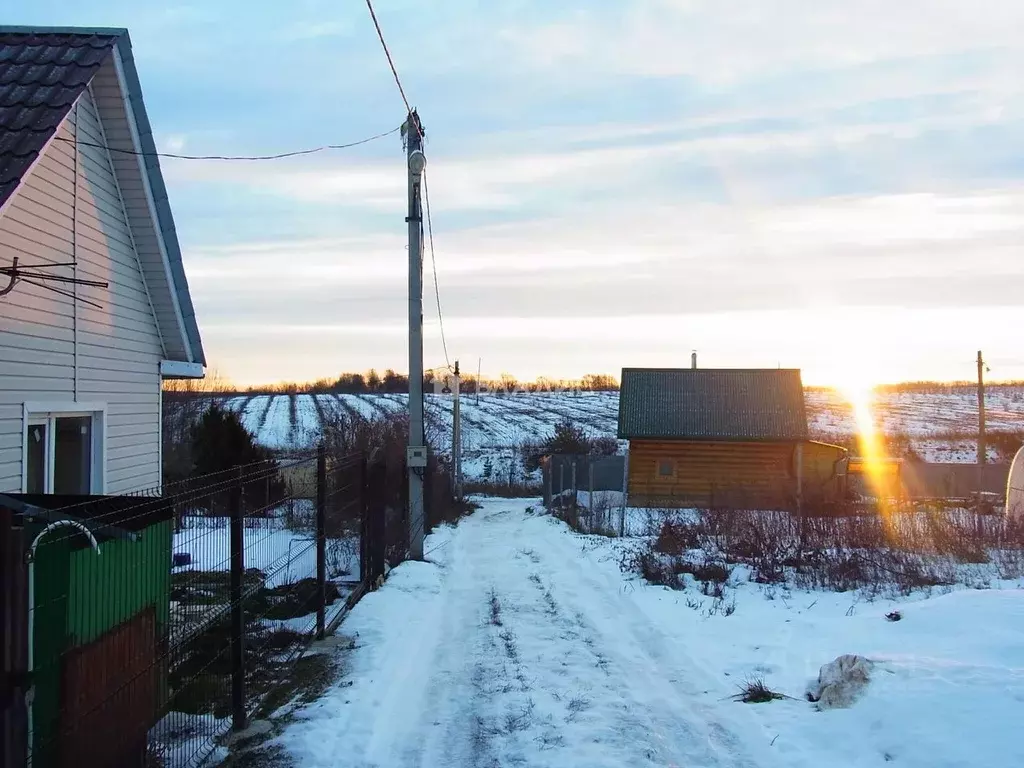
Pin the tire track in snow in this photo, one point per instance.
(659, 665)
(565, 671)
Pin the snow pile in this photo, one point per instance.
(841, 682)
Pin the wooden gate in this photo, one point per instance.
(110, 696)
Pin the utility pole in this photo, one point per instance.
(457, 436)
(479, 367)
(416, 454)
(981, 411)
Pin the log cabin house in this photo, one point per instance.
(732, 438)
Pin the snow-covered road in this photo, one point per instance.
(510, 648)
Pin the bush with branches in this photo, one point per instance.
(567, 438)
(220, 442)
(895, 553)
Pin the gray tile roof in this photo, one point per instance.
(41, 76)
(712, 404)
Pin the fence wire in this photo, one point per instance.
(149, 625)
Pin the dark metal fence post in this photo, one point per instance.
(575, 491)
(428, 497)
(376, 527)
(321, 541)
(365, 572)
(546, 466)
(590, 483)
(625, 494)
(561, 484)
(237, 608)
(14, 612)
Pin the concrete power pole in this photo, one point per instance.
(981, 411)
(416, 454)
(457, 436)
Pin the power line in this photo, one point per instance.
(433, 264)
(387, 53)
(278, 156)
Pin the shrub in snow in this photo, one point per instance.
(568, 438)
(757, 692)
(840, 682)
(677, 536)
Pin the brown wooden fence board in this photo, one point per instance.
(109, 696)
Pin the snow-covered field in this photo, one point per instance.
(918, 414)
(520, 642)
(939, 424)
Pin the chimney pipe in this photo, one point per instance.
(693, 359)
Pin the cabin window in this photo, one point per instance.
(63, 453)
(666, 467)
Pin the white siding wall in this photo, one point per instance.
(54, 349)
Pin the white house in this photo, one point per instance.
(82, 204)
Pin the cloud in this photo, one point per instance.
(721, 43)
(746, 156)
(924, 251)
(610, 183)
(316, 29)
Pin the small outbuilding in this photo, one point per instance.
(1015, 486)
(732, 438)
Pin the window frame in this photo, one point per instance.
(663, 476)
(34, 413)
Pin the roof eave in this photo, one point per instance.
(164, 219)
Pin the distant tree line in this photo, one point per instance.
(391, 382)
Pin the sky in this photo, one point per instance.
(831, 185)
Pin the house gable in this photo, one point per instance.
(69, 200)
(45, 72)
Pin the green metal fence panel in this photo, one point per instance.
(126, 578)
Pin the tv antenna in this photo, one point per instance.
(32, 275)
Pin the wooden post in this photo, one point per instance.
(800, 478)
(982, 443)
(321, 541)
(981, 411)
(238, 718)
(800, 496)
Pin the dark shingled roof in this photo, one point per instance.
(712, 404)
(41, 75)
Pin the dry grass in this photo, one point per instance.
(877, 554)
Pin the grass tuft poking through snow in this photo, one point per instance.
(495, 609)
(755, 691)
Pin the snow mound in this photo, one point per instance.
(841, 682)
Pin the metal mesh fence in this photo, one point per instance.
(155, 623)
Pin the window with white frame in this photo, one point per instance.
(63, 452)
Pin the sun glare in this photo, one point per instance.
(872, 460)
(859, 395)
